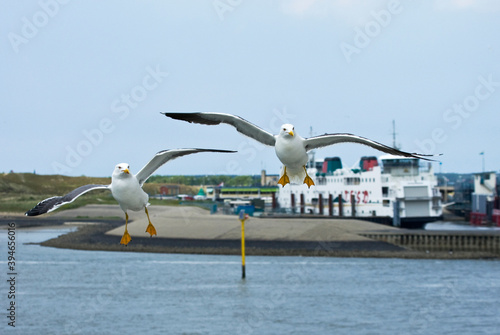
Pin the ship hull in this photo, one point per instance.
(406, 223)
(398, 187)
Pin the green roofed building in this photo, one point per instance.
(242, 192)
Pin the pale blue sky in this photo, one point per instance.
(83, 82)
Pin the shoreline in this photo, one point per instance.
(194, 231)
(94, 238)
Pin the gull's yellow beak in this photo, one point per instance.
(291, 133)
(126, 171)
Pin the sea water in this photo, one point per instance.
(60, 291)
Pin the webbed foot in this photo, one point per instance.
(125, 238)
(308, 180)
(284, 179)
(151, 229)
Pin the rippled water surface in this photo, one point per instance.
(62, 291)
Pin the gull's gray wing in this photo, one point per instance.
(164, 156)
(242, 125)
(50, 204)
(329, 139)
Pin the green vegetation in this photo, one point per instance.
(228, 180)
(19, 192)
(20, 204)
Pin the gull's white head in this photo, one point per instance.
(121, 170)
(287, 130)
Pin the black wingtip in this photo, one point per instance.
(424, 157)
(180, 116)
(427, 155)
(199, 150)
(39, 209)
(192, 117)
(33, 212)
(218, 150)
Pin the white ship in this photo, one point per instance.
(393, 190)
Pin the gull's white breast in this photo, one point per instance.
(291, 151)
(129, 193)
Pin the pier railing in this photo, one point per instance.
(441, 241)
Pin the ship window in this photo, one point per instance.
(352, 181)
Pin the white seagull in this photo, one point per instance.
(125, 187)
(290, 147)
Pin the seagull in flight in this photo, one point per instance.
(125, 187)
(290, 147)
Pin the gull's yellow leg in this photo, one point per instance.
(126, 236)
(150, 229)
(284, 179)
(308, 180)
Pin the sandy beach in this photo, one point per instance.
(186, 229)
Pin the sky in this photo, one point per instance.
(83, 82)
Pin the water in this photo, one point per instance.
(458, 226)
(62, 291)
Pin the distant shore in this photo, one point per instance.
(194, 231)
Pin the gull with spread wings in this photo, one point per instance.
(125, 187)
(290, 147)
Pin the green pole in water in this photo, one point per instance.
(243, 217)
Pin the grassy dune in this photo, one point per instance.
(19, 192)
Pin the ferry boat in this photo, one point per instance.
(394, 190)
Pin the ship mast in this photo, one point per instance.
(394, 145)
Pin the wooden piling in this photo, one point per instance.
(320, 202)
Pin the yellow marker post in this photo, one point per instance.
(243, 217)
